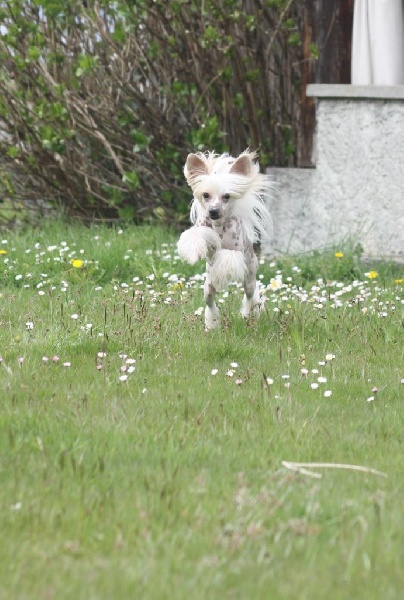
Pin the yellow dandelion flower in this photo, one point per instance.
(77, 263)
(2, 251)
(399, 281)
(339, 254)
(372, 274)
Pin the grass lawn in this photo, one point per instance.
(141, 457)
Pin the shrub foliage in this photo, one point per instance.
(100, 102)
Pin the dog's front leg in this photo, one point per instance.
(212, 318)
(251, 300)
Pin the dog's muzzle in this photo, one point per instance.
(214, 214)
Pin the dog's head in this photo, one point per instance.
(217, 181)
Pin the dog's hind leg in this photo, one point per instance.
(212, 318)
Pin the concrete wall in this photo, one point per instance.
(356, 191)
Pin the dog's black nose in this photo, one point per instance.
(214, 214)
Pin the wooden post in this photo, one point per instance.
(307, 105)
(326, 30)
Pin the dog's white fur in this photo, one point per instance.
(231, 220)
(228, 266)
(196, 244)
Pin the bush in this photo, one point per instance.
(100, 102)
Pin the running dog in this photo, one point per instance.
(230, 221)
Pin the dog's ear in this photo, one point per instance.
(195, 167)
(242, 165)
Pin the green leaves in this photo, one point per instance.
(102, 101)
(314, 50)
(13, 151)
(211, 35)
(141, 140)
(34, 53)
(86, 64)
(131, 178)
(208, 135)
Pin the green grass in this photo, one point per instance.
(170, 483)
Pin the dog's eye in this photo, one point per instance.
(205, 195)
(226, 197)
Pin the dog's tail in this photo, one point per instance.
(228, 266)
(198, 243)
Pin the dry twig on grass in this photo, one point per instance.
(304, 468)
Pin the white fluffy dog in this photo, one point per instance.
(231, 221)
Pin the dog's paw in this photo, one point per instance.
(252, 307)
(212, 318)
(198, 243)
